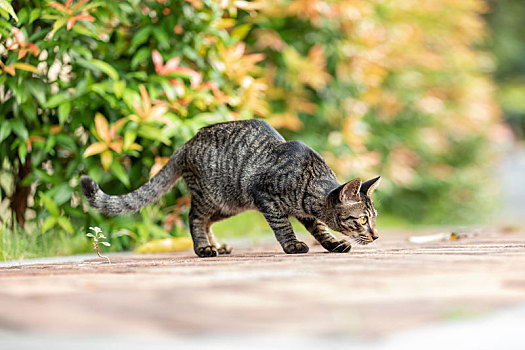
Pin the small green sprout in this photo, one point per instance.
(97, 235)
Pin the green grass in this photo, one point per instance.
(249, 225)
(19, 244)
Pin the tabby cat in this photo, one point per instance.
(242, 165)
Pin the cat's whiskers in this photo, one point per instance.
(356, 240)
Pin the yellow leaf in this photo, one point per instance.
(101, 125)
(166, 245)
(135, 147)
(106, 158)
(96, 148)
(157, 113)
(224, 23)
(146, 102)
(159, 164)
(119, 124)
(25, 66)
(116, 146)
(286, 120)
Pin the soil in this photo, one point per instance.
(375, 290)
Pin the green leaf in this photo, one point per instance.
(63, 112)
(90, 235)
(29, 109)
(37, 89)
(19, 129)
(22, 15)
(162, 38)
(65, 224)
(152, 133)
(59, 23)
(82, 51)
(141, 55)
(44, 177)
(106, 244)
(22, 152)
(105, 68)
(120, 173)
(49, 222)
(118, 88)
(56, 100)
(35, 13)
(61, 193)
(129, 137)
(66, 141)
(139, 38)
(6, 6)
(5, 130)
(84, 31)
(50, 205)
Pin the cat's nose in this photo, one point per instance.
(374, 234)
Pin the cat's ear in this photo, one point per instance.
(347, 193)
(369, 186)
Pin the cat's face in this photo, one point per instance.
(351, 211)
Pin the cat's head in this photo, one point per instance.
(350, 210)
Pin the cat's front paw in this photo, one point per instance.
(342, 246)
(206, 251)
(295, 248)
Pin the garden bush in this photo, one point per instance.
(109, 88)
(400, 89)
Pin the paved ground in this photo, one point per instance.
(374, 293)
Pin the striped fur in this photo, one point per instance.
(247, 165)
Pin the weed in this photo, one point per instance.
(97, 235)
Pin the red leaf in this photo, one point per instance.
(71, 22)
(157, 61)
(58, 6)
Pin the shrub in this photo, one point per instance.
(110, 88)
(392, 88)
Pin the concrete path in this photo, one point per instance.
(395, 293)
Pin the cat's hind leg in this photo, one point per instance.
(199, 225)
(323, 236)
(206, 245)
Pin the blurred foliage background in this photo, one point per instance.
(110, 88)
(507, 44)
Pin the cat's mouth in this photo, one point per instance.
(361, 239)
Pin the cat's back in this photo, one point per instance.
(241, 130)
(234, 139)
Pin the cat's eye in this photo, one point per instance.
(363, 220)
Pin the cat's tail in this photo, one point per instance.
(142, 196)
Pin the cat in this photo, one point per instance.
(244, 165)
